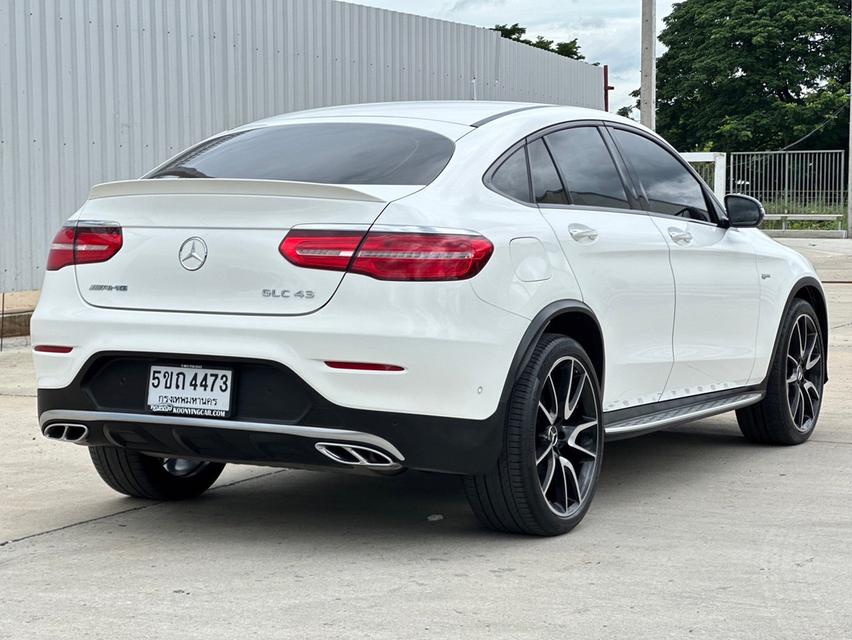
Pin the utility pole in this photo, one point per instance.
(648, 89)
(849, 183)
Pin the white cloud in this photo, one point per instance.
(608, 30)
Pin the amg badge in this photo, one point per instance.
(108, 287)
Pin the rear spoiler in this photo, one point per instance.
(228, 186)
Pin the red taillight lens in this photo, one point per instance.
(421, 256)
(320, 249)
(61, 249)
(83, 244)
(389, 255)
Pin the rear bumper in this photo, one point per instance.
(456, 350)
(107, 400)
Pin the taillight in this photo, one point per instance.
(421, 256)
(83, 243)
(390, 255)
(320, 249)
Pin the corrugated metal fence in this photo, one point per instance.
(98, 90)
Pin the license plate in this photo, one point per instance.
(190, 391)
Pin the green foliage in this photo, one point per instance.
(516, 32)
(627, 112)
(755, 74)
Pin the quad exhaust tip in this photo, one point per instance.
(66, 432)
(357, 455)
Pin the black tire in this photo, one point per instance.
(779, 418)
(512, 497)
(142, 476)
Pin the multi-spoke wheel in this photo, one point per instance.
(547, 473)
(567, 436)
(142, 476)
(804, 372)
(789, 411)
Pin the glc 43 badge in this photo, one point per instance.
(288, 293)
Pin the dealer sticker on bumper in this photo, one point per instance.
(190, 391)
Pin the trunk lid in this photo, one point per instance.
(211, 245)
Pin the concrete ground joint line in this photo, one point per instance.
(840, 442)
(131, 510)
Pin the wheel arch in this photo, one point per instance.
(810, 290)
(571, 318)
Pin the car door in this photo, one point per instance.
(715, 271)
(618, 255)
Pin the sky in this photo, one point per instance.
(608, 30)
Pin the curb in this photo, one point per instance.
(14, 325)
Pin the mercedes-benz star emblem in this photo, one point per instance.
(193, 253)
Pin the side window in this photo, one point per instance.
(511, 177)
(587, 168)
(669, 186)
(547, 187)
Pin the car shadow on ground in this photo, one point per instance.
(330, 508)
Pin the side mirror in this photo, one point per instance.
(744, 211)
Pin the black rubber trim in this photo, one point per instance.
(537, 328)
(822, 314)
(497, 116)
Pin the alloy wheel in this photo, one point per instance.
(567, 436)
(805, 373)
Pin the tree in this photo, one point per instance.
(627, 112)
(754, 74)
(516, 32)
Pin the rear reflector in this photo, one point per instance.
(389, 255)
(83, 243)
(362, 366)
(52, 348)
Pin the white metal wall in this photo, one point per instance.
(98, 90)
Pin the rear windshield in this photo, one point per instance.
(332, 153)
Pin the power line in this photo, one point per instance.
(819, 128)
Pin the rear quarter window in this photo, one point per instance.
(512, 177)
(330, 153)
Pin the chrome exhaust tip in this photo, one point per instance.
(66, 432)
(357, 455)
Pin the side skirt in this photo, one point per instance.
(636, 421)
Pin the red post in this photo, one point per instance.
(607, 87)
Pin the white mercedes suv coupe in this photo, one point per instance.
(478, 288)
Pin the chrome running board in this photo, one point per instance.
(677, 415)
(318, 433)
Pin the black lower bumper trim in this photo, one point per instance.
(426, 443)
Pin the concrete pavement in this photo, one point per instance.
(693, 533)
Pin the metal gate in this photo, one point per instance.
(797, 188)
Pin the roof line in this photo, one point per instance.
(495, 116)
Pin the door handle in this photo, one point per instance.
(581, 233)
(680, 236)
